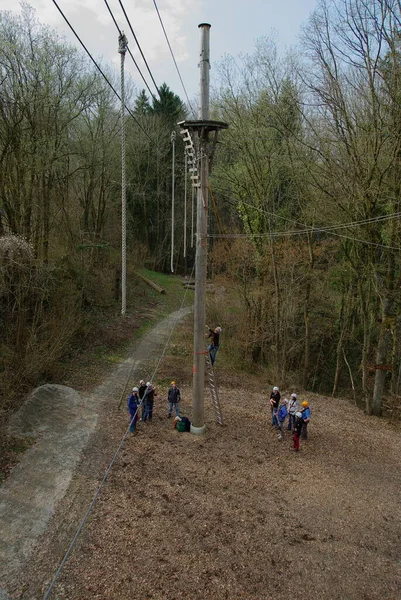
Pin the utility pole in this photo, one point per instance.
(202, 127)
(122, 48)
(198, 425)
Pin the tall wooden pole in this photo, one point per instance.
(198, 425)
(122, 48)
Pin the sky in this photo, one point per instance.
(235, 27)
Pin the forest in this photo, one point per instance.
(304, 216)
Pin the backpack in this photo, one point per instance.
(187, 423)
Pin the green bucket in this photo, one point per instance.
(181, 426)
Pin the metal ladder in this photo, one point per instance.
(191, 157)
(213, 389)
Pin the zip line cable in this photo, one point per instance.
(172, 54)
(277, 234)
(99, 69)
(93, 502)
(139, 47)
(130, 53)
(309, 229)
(322, 229)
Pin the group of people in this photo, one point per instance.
(298, 417)
(141, 401)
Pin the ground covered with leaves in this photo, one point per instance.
(233, 514)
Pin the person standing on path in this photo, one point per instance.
(214, 334)
(141, 392)
(275, 398)
(292, 409)
(296, 432)
(305, 410)
(133, 408)
(149, 397)
(174, 397)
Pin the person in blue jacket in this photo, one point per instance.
(133, 408)
(281, 417)
(306, 414)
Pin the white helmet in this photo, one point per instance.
(148, 384)
(275, 389)
(293, 395)
(299, 415)
(135, 389)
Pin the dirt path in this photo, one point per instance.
(229, 515)
(63, 421)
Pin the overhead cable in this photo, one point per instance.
(310, 229)
(98, 68)
(282, 234)
(172, 54)
(129, 52)
(330, 228)
(139, 47)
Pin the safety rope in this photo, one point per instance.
(185, 201)
(173, 136)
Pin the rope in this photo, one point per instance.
(185, 202)
(173, 135)
(192, 216)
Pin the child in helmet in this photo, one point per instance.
(292, 409)
(133, 407)
(173, 398)
(305, 410)
(296, 432)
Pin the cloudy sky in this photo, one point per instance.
(236, 24)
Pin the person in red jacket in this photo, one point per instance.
(296, 432)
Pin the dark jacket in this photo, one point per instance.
(298, 426)
(150, 395)
(215, 337)
(174, 395)
(275, 396)
(141, 392)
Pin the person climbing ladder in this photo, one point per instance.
(214, 334)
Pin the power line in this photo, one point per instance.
(311, 229)
(172, 54)
(140, 49)
(129, 52)
(98, 68)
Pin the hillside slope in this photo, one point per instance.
(233, 514)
